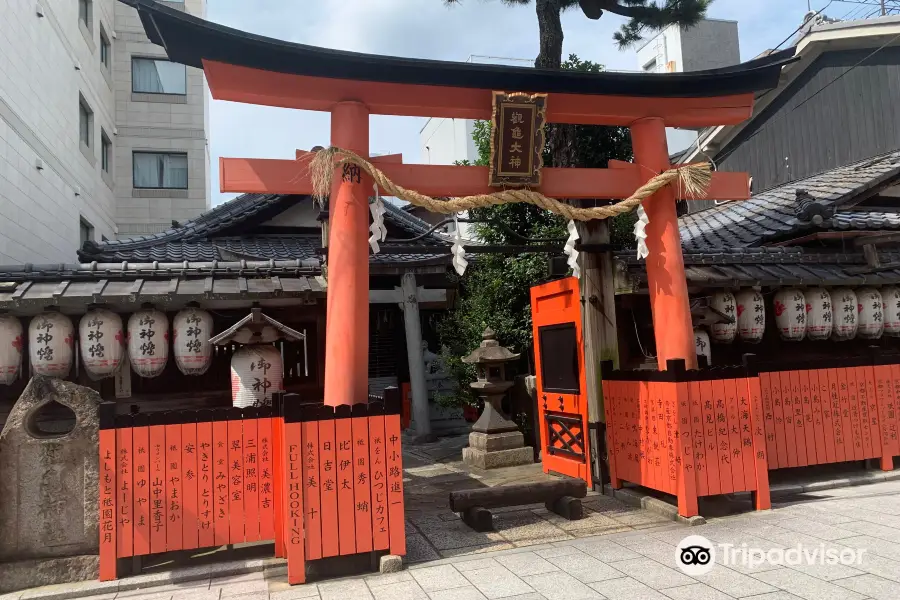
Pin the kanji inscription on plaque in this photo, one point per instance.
(517, 139)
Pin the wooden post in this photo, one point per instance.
(665, 265)
(347, 328)
(419, 392)
(598, 301)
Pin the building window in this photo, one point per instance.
(159, 170)
(85, 123)
(105, 48)
(85, 12)
(86, 231)
(154, 76)
(105, 151)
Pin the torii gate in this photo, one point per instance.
(243, 67)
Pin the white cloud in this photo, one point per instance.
(425, 29)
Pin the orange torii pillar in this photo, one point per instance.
(666, 280)
(347, 324)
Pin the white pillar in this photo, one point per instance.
(410, 304)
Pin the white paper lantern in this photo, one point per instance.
(751, 316)
(702, 345)
(148, 342)
(11, 342)
(192, 329)
(790, 314)
(871, 313)
(51, 342)
(843, 314)
(818, 314)
(256, 372)
(724, 302)
(891, 298)
(101, 341)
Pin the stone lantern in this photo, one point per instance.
(495, 441)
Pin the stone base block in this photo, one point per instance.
(478, 518)
(499, 458)
(390, 563)
(567, 507)
(492, 442)
(26, 574)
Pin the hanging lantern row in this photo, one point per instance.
(815, 314)
(102, 343)
(841, 314)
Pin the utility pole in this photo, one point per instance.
(883, 11)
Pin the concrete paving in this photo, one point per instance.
(638, 564)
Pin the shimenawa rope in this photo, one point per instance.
(694, 179)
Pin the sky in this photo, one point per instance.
(429, 29)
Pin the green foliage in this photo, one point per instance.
(495, 290)
(650, 15)
(643, 15)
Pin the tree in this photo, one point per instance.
(495, 289)
(642, 15)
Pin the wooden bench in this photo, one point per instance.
(562, 497)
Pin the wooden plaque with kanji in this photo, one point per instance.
(517, 139)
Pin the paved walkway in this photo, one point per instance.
(637, 564)
(433, 532)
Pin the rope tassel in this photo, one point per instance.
(459, 253)
(570, 250)
(692, 179)
(640, 233)
(379, 231)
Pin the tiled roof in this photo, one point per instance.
(215, 235)
(809, 204)
(776, 266)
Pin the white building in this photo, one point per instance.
(98, 138)
(710, 44)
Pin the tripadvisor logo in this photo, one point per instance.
(696, 555)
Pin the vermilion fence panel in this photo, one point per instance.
(343, 437)
(721, 430)
(174, 488)
(124, 488)
(190, 483)
(157, 479)
(140, 437)
(818, 417)
(266, 480)
(311, 487)
(190, 479)
(378, 457)
(251, 477)
(698, 445)
(206, 483)
(685, 433)
(329, 499)
(362, 479)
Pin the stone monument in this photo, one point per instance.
(495, 441)
(49, 489)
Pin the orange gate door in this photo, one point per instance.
(561, 388)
